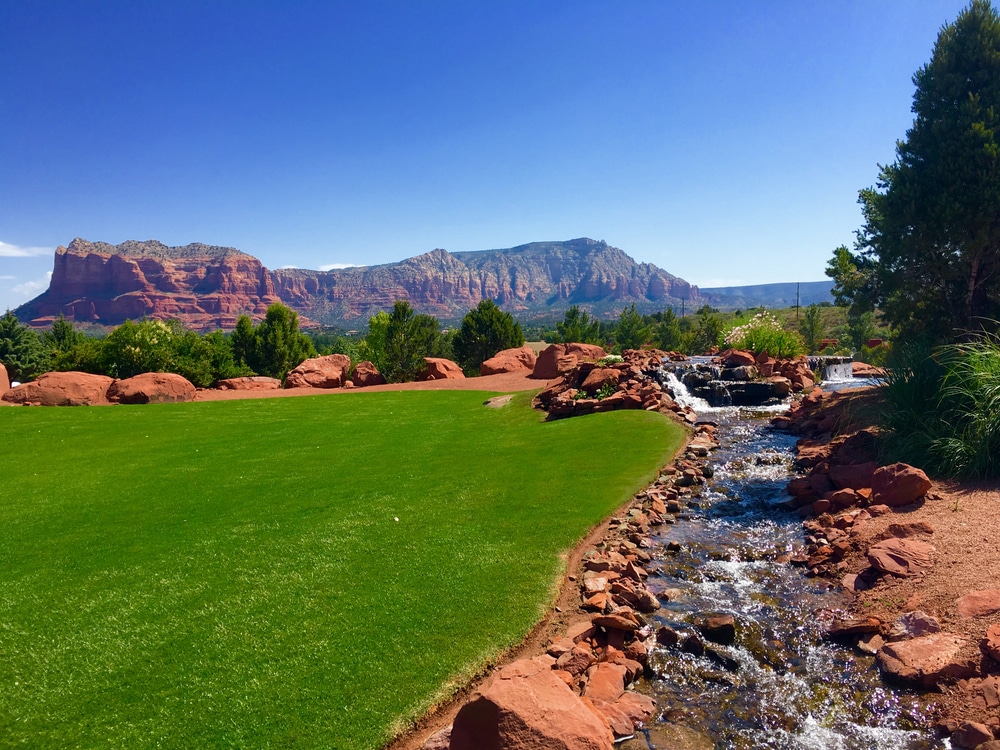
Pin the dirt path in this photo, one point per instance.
(510, 382)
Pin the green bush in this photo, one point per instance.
(763, 333)
(943, 408)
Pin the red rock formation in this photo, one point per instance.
(320, 372)
(526, 705)
(255, 383)
(205, 287)
(62, 389)
(4, 380)
(509, 360)
(366, 374)
(438, 368)
(209, 287)
(899, 484)
(151, 388)
(559, 359)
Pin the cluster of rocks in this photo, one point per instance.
(576, 694)
(85, 389)
(591, 383)
(843, 489)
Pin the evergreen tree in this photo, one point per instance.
(409, 338)
(931, 234)
(485, 330)
(811, 328)
(632, 331)
(667, 334)
(577, 326)
(21, 350)
(279, 346)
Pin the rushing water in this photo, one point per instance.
(784, 687)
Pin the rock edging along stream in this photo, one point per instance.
(843, 489)
(576, 694)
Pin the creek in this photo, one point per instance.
(780, 685)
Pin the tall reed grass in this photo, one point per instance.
(943, 408)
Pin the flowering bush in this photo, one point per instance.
(763, 333)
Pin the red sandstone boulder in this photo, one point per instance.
(606, 682)
(926, 661)
(151, 388)
(526, 705)
(321, 372)
(62, 389)
(992, 641)
(737, 358)
(598, 378)
(437, 368)
(366, 374)
(255, 383)
(509, 360)
(555, 359)
(853, 476)
(900, 484)
(4, 380)
(901, 557)
(979, 603)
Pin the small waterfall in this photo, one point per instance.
(681, 393)
(836, 369)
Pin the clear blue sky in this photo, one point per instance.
(725, 142)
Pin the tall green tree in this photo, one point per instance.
(485, 330)
(137, 347)
(811, 328)
(667, 333)
(577, 326)
(931, 228)
(279, 346)
(21, 349)
(632, 331)
(408, 338)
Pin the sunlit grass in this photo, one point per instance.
(232, 574)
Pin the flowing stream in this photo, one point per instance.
(780, 685)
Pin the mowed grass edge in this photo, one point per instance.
(232, 574)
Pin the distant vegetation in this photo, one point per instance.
(309, 572)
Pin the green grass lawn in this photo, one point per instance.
(231, 574)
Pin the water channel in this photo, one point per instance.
(780, 685)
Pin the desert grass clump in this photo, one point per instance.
(943, 408)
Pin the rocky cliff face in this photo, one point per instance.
(209, 287)
(205, 286)
(541, 278)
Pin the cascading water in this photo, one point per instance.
(779, 685)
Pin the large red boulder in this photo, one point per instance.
(737, 358)
(255, 383)
(366, 373)
(526, 705)
(509, 360)
(4, 380)
(853, 476)
(979, 603)
(62, 389)
(600, 377)
(151, 388)
(898, 484)
(320, 372)
(558, 359)
(438, 368)
(926, 661)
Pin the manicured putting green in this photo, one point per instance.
(232, 574)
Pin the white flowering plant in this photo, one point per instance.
(763, 333)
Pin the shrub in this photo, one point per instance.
(485, 330)
(763, 333)
(943, 408)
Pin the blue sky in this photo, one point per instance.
(725, 142)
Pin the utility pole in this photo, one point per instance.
(796, 300)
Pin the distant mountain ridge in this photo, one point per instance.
(209, 287)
